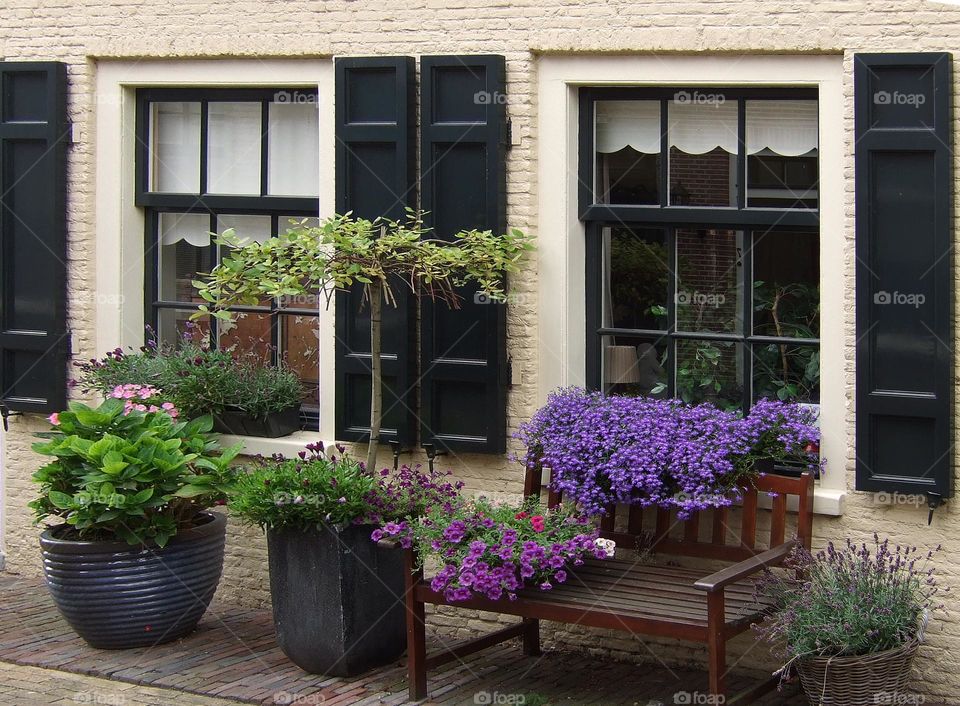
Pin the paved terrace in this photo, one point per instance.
(233, 658)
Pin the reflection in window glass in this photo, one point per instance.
(781, 142)
(175, 159)
(300, 343)
(708, 289)
(184, 252)
(233, 148)
(710, 371)
(786, 284)
(246, 333)
(628, 139)
(175, 326)
(636, 278)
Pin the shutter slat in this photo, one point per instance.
(33, 320)
(462, 185)
(904, 285)
(375, 162)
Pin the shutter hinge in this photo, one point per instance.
(934, 500)
(6, 413)
(509, 371)
(507, 137)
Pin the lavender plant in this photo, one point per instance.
(848, 600)
(614, 449)
(493, 550)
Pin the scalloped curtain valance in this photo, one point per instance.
(784, 127)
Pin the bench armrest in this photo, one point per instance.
(742, 569)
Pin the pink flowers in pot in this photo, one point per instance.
(142, 398)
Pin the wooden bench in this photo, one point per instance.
(639, 597)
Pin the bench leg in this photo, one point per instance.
(416, 634)
(717, 642)
(531, 637)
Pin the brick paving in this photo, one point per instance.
(232, 658)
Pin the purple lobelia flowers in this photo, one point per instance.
(493, 551)
(614, 449)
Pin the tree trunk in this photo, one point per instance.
(376, 374)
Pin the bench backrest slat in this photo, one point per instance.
(732, 532)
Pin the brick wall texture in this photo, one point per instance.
(84, 33)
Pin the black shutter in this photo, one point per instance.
(462, 185)
(904, 195)
(33, 329)
(375, 176)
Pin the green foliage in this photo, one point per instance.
(343, 251)
(303, 493)
(139, 477)
(197, 379)
(787, 372)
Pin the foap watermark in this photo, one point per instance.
(907, 499)
(700, 299)
(884, 298)
(295, 97)
(281, 499)
(512, 298)
(692, 698)
(699, 98)
(897, 98)
(285, 697)
(486, 698)
(488, 98)
(107, 698)
(898, 698)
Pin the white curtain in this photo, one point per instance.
(628, 123)
(788, 128)
(194, 228)
(293, 159)
(175, 167)
(233, 148)
(785, 127)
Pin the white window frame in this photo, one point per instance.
(120, 223)
(561, 235)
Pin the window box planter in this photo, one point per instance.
(118, 596)
(274, 425)
(337, 599)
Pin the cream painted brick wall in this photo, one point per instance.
(85, 32)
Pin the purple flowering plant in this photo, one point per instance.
(315, 489)
(607, 449)
(493, 550)
(853, 599)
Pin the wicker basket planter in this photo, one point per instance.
(860, 680)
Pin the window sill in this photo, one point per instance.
(286, 445)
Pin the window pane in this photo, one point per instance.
(184, 252)
(702, 134)
(293, 159)
(709, 290)
(175, 159)
(786, 372)
(786, 284)
(233, 148)
(246, 333)
(300, 346)
(627, 143)
(634, 367)
(246, 227)
(636, 278)
(710, 371)
(782, 170)
(175, 326)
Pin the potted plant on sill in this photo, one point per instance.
(850, 619)
(379, 254)
(338, 599)
(137, 557)
(244, 396)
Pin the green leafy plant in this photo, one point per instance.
(196, 378)
(344, 251)
(137, 476)
(788, 371)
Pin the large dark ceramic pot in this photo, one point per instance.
(115, 595)
(337, 599)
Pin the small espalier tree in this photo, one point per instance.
(379, 254)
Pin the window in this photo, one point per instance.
(703, 253)
(213, 159)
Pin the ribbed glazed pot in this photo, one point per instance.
(116, 596)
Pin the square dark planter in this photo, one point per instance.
(337, 597)
(272, 426)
